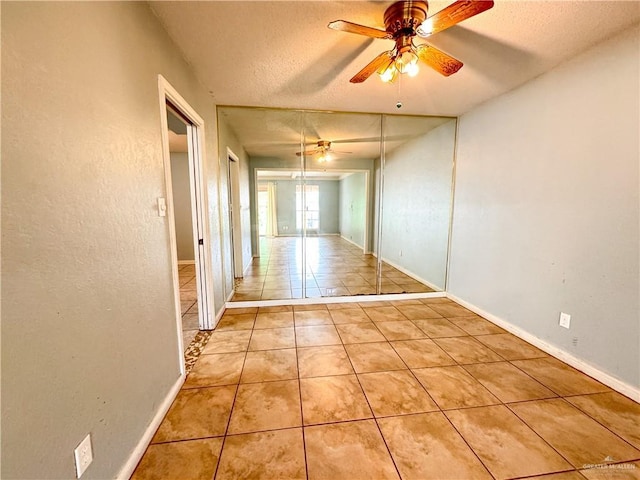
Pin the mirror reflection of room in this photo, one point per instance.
(328, 191)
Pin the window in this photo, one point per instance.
(312, 207)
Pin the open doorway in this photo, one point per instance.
(186, 209)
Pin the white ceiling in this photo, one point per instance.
(281, 54)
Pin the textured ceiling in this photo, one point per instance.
(281, 54)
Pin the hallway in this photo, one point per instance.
(335, 268)
(410, 389)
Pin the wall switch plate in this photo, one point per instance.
(162, 207)
(83, 455)
(565, 320)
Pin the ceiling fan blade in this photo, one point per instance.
(308, 152)
(382, 60)
(451, 15)
(349, 27)
(438, 60)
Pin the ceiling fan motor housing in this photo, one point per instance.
(403, 18)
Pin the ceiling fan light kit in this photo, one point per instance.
(405, 20)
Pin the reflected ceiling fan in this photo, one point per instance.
(403, 21)
(322, 150)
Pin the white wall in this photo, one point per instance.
(546, 212)
(89, 336)
(353, 207)
(417, 204)
(181, 189)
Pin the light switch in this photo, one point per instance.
(162, 207)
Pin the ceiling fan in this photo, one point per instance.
(322, 150)
(404, 20)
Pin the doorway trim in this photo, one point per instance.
(235, 214)
(169, 95)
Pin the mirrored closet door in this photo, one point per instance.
(335, 204)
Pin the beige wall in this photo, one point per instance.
(89, 340)
(181, 190)
(546, 215)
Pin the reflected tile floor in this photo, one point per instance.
(334, 268)
(416, 389)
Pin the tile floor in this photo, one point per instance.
(418, 389)
(188, 303)
(334, 267)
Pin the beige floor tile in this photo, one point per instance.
(374, 357)
(510, 347)
(190, 460)
(395, 393)
(506, 446)
(317, 335)
(227, 341)
(272, 339)
(418, 312)
(190, 321)
(309, 307)
(359, 333)
(451, 310)
(274, 320)
(215, 370)
(572, 475)
(263, 455)
(323, 361)
(247, 296)
(400, 330)
(240, 321)
(333, 399)
(560, 377)
(276, 294)
(508, 383)
(432, 300)
(422, 353)
(312, 317)
(375, 304)
(579, 438)
(342, 306)
(348, 451)
(427, 447)
(187, 337)
(240, 311)
(349, 315)
(383, 313)
(364, 290)
(453, 387)
(476, 325)
(269, 365)
(266, 406)
(467, 350)
(617, 412)
(439, 328)
(623, 471)
(197, 413)
(276, 309)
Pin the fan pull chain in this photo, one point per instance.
(399, 93)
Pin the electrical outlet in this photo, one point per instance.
(83, 455)
(565, 320)
(400, 252)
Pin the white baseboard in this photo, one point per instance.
(412, 275)
(351, 242)
(132, 462)
(577, 363)
(186, 262)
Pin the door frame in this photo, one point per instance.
(200, 221)
(235, 214)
